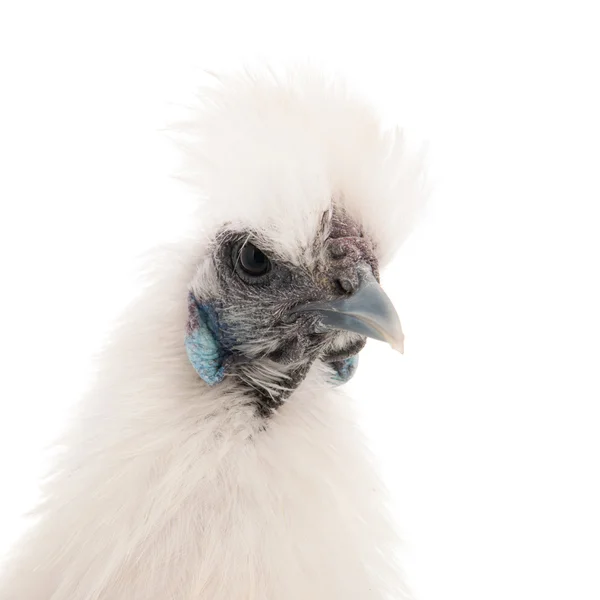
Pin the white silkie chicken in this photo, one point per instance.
(216, 458)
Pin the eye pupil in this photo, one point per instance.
(253, 261)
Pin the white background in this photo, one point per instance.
(488, 427)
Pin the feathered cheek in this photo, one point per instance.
(207, 348)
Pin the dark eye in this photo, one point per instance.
(251, 260)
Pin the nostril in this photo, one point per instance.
(345, 285)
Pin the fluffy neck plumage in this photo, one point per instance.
(168, 488)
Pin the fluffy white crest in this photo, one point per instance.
(272, 151)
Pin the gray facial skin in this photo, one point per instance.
(272, 328)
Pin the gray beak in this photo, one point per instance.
(368, 311)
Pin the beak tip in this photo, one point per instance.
(398, 345)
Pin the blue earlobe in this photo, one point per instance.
(202, 341)
(344, 370)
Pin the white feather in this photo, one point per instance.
(167, 489)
